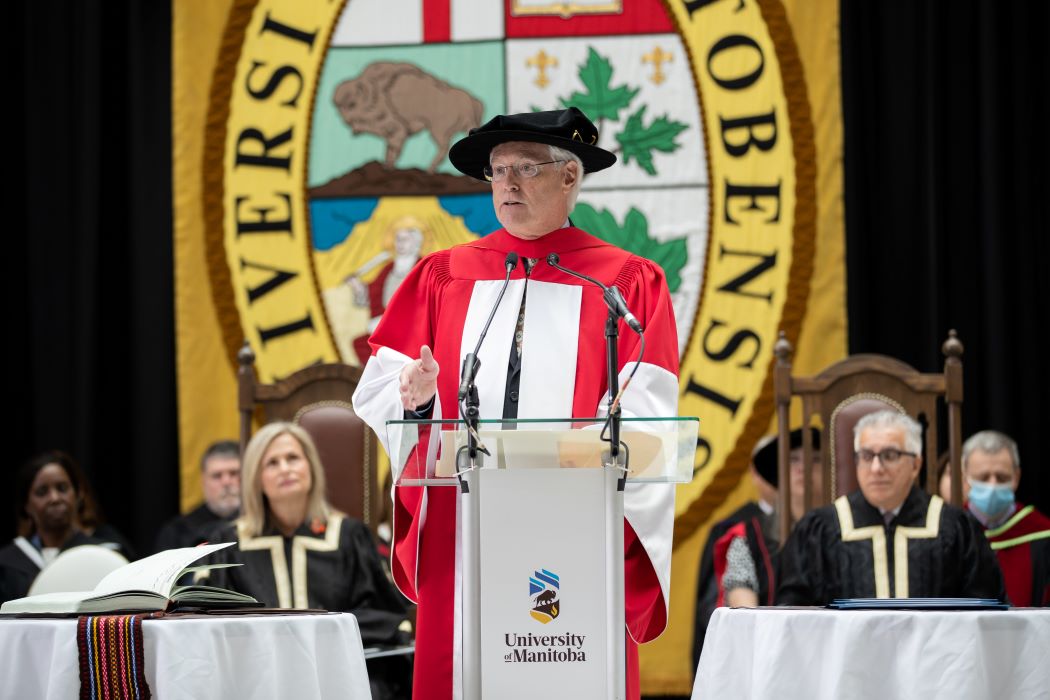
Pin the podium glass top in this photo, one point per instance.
(434, 452)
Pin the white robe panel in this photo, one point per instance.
(649, 508)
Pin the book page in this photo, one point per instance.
(156, 573)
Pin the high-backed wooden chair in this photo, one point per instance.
(851, 388)
(318, 399)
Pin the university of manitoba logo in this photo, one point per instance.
(544, 587)
(527, 647)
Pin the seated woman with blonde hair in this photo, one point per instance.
(297, 551)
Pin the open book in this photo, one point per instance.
(146, 584)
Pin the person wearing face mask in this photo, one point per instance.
(1019, 534)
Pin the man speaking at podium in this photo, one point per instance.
(544, 357)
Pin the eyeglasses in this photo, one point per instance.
(522, 170)
(889, 456)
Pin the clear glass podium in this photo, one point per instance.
(541, 541)
(659, 450)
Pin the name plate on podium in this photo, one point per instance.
(541, 527)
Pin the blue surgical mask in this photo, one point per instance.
(991, 499)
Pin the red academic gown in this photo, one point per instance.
(443, 303)
(1022, 545)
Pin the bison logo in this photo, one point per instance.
(397, 100)
(544, 587)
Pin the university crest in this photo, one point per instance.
(544, 591)
(327, 178)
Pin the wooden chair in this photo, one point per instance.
(852, 388)
(318, 399)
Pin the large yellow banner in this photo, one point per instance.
(309, 155)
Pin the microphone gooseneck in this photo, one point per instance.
(617, 309)
(468, 457)
(613, 298)
(471, 363)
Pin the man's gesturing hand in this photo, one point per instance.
(419, 380)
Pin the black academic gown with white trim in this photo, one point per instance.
(847, 550)
(333, 567)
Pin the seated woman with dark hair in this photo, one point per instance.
(49, 492)
(297, 551)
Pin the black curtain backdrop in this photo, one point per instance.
(93, 363)
(946, 122)
(946, 185)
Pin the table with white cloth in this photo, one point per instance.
(199, 657)
(820, 653)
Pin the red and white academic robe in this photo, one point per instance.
(444, 303)
(1022, 545)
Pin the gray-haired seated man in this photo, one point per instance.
(1019, 534)
(889, 539)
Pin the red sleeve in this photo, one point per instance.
(646, 613)
(654, 392)
(721, 555)
(645, 291)
(410, 317)
(408, 323)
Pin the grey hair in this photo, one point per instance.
(562, 154)
(891, 419)
(991, 442)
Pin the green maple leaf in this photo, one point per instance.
(633, 236)
(601, 101)
(639, 141)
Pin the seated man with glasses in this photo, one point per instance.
(889, 539)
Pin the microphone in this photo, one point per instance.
(613, 298)
(471, 363)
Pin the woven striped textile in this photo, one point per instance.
(111, 658)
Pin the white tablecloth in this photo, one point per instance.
(241, 656)
(816, 653)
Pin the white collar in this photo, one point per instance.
(30, 551)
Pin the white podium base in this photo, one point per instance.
(543, 600)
